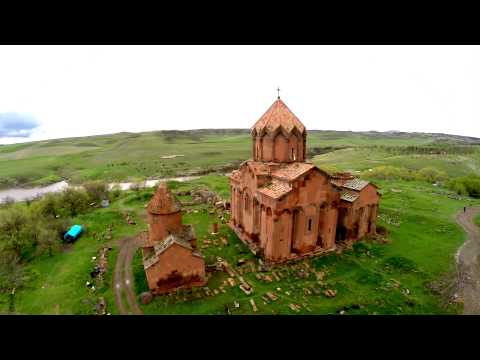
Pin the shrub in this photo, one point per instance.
(432, 175)
(96, 190)
(466, 185)
(388, 172)
(73, 202)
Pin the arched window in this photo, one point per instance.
(309, 225)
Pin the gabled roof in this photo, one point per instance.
(352, 184)
(181, 238)
(292, 171)
(163, 202)
(278, 116)
(349, 195)
(275, 189)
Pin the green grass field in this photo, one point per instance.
(391, 278)
(57, 284)
(419, 217)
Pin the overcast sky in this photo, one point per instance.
(63, 91)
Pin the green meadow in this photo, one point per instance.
(409, 273)
(136, 156)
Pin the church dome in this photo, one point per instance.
(278, 116)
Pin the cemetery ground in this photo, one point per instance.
(410, 271)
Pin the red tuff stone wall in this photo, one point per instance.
(358, 219)
(176, 267)
(279, 147)
(160, 226)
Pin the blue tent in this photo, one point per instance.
(73, 233)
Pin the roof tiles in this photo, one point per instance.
(292, 171)
(275, 189)
(278, 116)
(352, 184)
(349, 195)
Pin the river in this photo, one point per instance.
(20, 194)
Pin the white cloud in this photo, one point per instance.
(86, 90)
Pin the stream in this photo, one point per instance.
(21, 194)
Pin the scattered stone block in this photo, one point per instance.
(294, 307)
(307, 291)
(247, 289)
(146, 297)
(231, 281)
(272, 296)
(330, 293)
(254, 306)
(320, 275)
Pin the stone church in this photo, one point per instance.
(171, 258)
(284, 207)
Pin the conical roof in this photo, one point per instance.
(278, 116)
(163, 202)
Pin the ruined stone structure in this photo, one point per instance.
(284, 207)
(170, 256)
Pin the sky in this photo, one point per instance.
(67, 91)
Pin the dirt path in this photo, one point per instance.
(123, 278)
(468, 262)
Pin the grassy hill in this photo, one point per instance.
(136, 156)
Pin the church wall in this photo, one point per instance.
(256, 217)
(329, 228)
(281, 151)
(279, 245)
(162, 225)
(327, 225)
(297, 231)
(267, 148)
(361, 214)
(263, 226)
(247, 210)
(293, 145)
(175, 258)
(305, 200)
(257, 151)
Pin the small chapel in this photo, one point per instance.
(284, 207)
(171, 258)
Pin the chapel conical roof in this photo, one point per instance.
(278, 116)
(163, 202)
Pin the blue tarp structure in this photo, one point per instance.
(73, 233)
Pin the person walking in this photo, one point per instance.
(464, 209)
